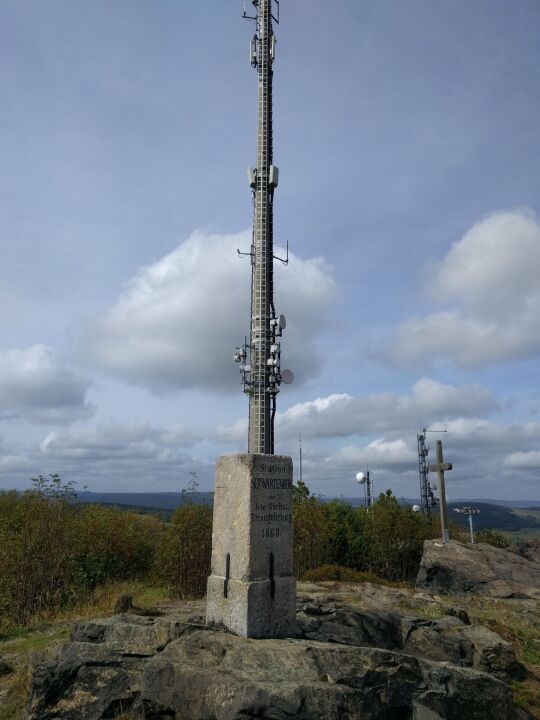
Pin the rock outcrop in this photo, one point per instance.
(481, 569)
(345, 664)
(446, 639)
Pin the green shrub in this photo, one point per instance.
(492, 537)
(114, 544)
(183, 560)
(37, 538)
(54, 552)
(387, 540)
(339, 572)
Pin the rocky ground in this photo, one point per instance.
(360, 653)
(464, 644)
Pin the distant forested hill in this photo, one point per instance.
(148, 501)
(495, 517)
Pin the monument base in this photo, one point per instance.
(252, 589)
(249, 609)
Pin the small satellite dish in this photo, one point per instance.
(360, 478)
(282, 322)
(434, 486)
(287, 376)
(416, 508)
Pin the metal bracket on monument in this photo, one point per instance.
(227, 575)
(272, 580)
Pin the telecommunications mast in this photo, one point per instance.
(261, 374)
(366, 480)
(427, 496)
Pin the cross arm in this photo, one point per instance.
(440, 467)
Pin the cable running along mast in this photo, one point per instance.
(261, 375)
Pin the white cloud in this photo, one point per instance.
(490, 280)
(340, 415)
(235, 433)
(394, 455)
(524, 460)
(136, 456)
(10, 460)
(36, 386)
(115, 440)
(177, 321)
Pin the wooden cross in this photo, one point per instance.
(440, 468)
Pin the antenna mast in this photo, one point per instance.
(262, 376)
(300, 449)
(427, 497)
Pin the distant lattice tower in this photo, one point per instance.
(261, 373)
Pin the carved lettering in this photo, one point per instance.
(261, 483)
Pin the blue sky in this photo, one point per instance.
(407, 140)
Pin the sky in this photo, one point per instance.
(407, 140)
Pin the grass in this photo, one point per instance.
(522, 534)
(340, 573)
(526, 512)
(45, 632)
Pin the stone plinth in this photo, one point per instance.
(252, 590)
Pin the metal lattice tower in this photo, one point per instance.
(423, 451)
(262, 374)
(427, 498)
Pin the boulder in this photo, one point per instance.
(482, 569)
(328, 620)
(450, 638)
(529, 549)
(215, 675)
(345, 664)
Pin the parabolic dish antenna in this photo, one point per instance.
(287, 375)
(416, 508)
(282, 322)
(361, 478)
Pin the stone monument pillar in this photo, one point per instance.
(252, 589)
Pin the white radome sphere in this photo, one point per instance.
(361, 478)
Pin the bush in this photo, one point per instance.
(54, 553)
(310, 534)
(37, 538)
(387, 540)
(491, 537)
(339, 572)
(114, 544)
(183, 560)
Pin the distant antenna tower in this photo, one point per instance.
(262, 375)
(469, 512)
(427, 496)
(366, 480)
(300, 452)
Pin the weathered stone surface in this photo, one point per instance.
(130, 634)
(328, 620)
(481, 569)
(347, 665)
(215, 675)
(529, 549)
(251, 590)
(444, 639)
